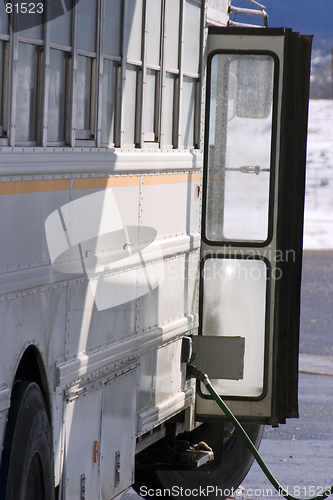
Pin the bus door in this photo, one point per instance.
(252, 221)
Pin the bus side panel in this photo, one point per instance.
(118, 434)
(23, 242)
(80, 470)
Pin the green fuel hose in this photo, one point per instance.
(194, 372)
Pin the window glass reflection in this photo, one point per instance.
(26, 93)
(57, 96)
(239, 156)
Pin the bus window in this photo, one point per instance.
(168, 110)
(4, 73)
(87, 25)
(85, 102)
(132, 84)
(108, 100)
(111, 28)
(151, 96)
(191, 58)
(35, 31)
(152, 77)
(192, 37)
(4, 24)
(60, 77)
(133, 30)
(58, 94)
(61, 27)
(171, 79)
(111, 75)
(86, 70)
(28, 65)
(129, 99)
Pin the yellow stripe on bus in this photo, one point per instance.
(20, 187)
(149, 180)
(40, 186)
(105, 182)
(121, 181)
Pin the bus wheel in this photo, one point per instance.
(27, 459)
(216, 479)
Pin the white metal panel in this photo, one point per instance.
(82, 418)
(91, 216)
(23, 240)
(88, 328)
(32, 319)
(176, 295)
(104, 360)
(118, 434)
(147, 380)
(39, 316)
(163, 389)
(161, 373)
(179, 211)
(170, 371)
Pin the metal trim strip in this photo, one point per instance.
(25, 279)
(128, 349)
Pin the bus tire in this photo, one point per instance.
(224, 474)
(27, 460)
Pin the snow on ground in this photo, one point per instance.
(318, 224)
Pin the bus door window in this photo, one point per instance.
(239, 156)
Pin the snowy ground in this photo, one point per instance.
(318, 227)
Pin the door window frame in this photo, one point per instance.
(242, 243)
(267, 321)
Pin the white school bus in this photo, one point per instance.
(152, 158)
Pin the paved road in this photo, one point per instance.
(317, 303)
(300, 453)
